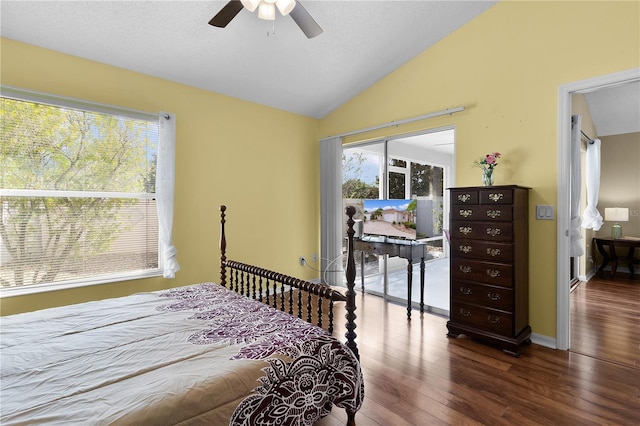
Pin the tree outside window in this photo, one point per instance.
(74, 184)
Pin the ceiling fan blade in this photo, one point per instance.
(226, 14)
(306, 23)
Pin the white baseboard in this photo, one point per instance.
(546, 341)
(590, 274)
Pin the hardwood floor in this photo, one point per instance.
(415, 375)
(605, 319)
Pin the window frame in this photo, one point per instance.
(65, 102)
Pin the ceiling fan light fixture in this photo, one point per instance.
(285, 6)
(267, 11)
(250, 5)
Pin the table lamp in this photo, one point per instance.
(616, 214)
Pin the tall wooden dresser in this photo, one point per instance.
(489, 232)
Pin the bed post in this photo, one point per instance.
(351, 279)
(223, 248)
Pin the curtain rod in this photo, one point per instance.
(64, 101)
(574, 119)
(584, 135)
(397, 123)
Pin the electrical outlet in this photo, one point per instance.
(302, 261)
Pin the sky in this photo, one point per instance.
(371, 205)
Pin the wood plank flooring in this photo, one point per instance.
(605, 319)
(415, 375)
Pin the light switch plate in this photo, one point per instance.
(544, 212)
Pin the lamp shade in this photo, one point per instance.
(616, 214)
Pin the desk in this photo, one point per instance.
(406, 249)
(610, 255)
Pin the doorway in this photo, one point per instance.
(563, 276)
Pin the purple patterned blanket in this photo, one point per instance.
(308, 372)
(196, 355)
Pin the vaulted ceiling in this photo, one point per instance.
(268, 62)
(615, 110)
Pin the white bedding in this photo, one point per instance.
(129, 361)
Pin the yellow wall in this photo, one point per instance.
(260, 161)
(505, 67)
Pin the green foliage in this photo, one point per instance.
(396, 186)
(422, 176)
(354, 188)
(353, 185)
(376, 214)
(51, 148)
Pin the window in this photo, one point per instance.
(77, 193)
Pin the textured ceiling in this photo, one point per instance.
(615, 110)
(362, 42)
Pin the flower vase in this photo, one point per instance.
(487, 177)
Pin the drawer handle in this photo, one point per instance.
(465, 269)
(465, 312)
(465, 249)
(465, 290)
(493, 231)
(466, 230)
(496, 197)
(493, 273)
(493, 252)
(493, 319)
(466, 213)
(493, 213)
(464, 197)
(493, 296)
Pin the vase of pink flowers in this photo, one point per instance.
(487, 164)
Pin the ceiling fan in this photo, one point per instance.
(267, 11)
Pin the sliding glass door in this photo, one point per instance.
(408, 174)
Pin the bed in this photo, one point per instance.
(238, 352)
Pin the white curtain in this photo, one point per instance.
(576, 246)
(331, 214)
(592, 218)
(165, 182)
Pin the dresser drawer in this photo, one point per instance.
(486, 250)
(485, 213)
(484, 295)
(499, 274)
(489, 274)
(487, 231)
(466, 197)
(488, 319)
(496, 196)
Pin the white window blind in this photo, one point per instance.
(77, 194)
